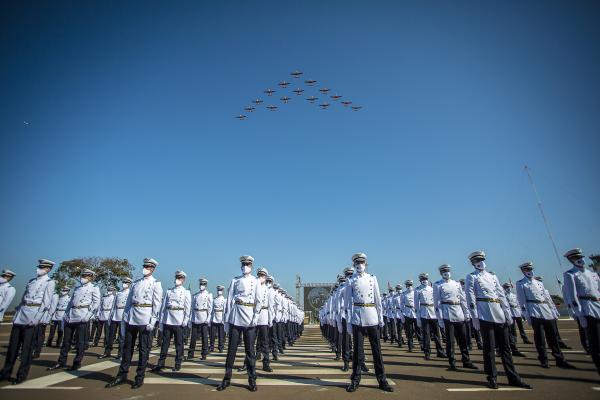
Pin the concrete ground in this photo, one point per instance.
(308, 370)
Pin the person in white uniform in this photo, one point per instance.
(427, 318)
(537, 307)
(103, 314)
(200, 320)
(242, 308)
(398, 316)
(83, 306)
(407, 305)
(366, 316)
(265, 318)
(451, 305)
(217, 330)
(174, 316)
(62, 301)
(7, 291)
(582, 292)
(142, 311)
(36, 300)
(491, 316)
(116, 316)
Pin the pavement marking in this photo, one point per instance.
(260, 381)
(482, 389)
(596, 388)
(43, 388)
(276, 372)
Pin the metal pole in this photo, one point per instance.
(546, 224)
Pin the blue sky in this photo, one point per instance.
(132, 150)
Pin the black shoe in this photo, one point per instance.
(544, 364)
(103, 356)
(385, 386)
(469, 365)
(520, 384)
(275, 358)
(17, 381)
(564, 346)
(138, 384)
(74, 367)
(352, 388)
(117, 381)
(212, 349)
(35, 355)
(364, 368)
(517, 353)
(565, 365)
(203, 357)
(157, 369)
(479, 346)
(252, 386)
(345, 367)
(441, 355)
(492, 384)
(220, 350)
(267, 368)
(243, 368)
(176, 368)
(56, 366)
(224, 385)
(281, 351)
(4, 378)
(427, 356)
(337, 358)
(452, 367)
(527, 341)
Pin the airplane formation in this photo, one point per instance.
(323, 96)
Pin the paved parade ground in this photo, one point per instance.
(308, 370)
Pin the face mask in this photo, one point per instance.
(424, 282)
(178, 282)
(360, 268)
(147, 271)
(64, 292)
(580, 262)
(529, 274)
(3, 280)
(125, 285)
(84, 280)
(269, 285)
(480, 265)
(446, 275)
(262, 278)
(219, 292)
(202, 287)
(41, 272)
(246, 269)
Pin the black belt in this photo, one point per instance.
(364, 304)
(451, 303)
(426, 304)
(537, 301)
(486, 300)
(241, 303)
(590, 298)
(175, 308)
(199, 309)
(85, 306)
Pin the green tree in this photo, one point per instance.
(109, 270)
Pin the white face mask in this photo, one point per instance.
(529, 274)
(480, 265)
(202, 287)
(64, 292)
(424, 282)
(360, 268)
(269, 284)
(580, 262)
(262, 278)
(219, 292)
(84, 280)
(3, 279)
(446, 275)
(246, 269)
(178, 282)
(125, 285)
(41, 271)
(147, 271)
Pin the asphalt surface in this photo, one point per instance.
(308, 370)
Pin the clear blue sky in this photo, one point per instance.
(132, 149)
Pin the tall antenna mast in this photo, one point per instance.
(539, 204)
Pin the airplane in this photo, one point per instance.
(285, 99)
(310, 82)
(336, 97)
(324, 105)
(296, 74)
(272, 108)
(241, 116)
(249, 109)
(312, 99)
(356, 108)
(298, 91)
(346, 103)
(324, 90)
(269, 92)
(283, 84)
(257, 101)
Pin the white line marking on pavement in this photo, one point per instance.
(43, 388)
(276, 372)
(261, 381)
(502, 389)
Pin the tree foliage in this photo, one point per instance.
(109, 271)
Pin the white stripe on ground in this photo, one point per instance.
(502, 389)
(276, 371)
(260, 381)
(43, 388)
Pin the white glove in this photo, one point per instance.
(381, 324)
(149, 327)
(582, 321)
(476, 323)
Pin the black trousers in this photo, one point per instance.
(112, 328)
(217, 331)
(456, 331)
(274, 340)
(101, 326)
(583, 336)
(472, 333)
(593, 334)
(73, 331)
(56, 327)
(249, 338)
(399, 329)
(391, 325)
(93, 325)
(132, 333)
(175, 331)
(21, 336)
(429, 329)
(496, 335)
(202, 331)
(522, 333)
(545, 331)
(262, 337)
(346, 339)
(280, 337)
(358, 354)
(410, 325)
(40, 336)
